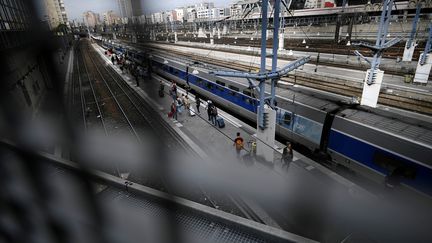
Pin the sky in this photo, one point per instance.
(75, 8)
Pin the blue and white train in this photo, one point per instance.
(371, 143)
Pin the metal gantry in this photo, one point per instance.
(381, 45)
(428, 47)
(275, 74)
(414, 26)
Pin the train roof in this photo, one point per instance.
(417, 133)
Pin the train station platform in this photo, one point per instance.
(303, 181)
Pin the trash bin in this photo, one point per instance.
(408, 78)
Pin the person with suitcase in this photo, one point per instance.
(213, 113)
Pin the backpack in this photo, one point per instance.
(214, 111)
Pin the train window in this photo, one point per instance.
(220, 83)
(171, 69)
(247, 100)
(287, 118)
(394, 165)
(209, 85)
(234, 88)
(221, 88)
(247, 92)
(176, 72)
(200, 82)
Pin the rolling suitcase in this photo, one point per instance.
(191, 111)
(220, 122)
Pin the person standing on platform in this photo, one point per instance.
(112, 59)
(287, 155)
(198, 103)
(238, 143)
(214, 114)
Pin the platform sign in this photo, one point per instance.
(409, 51)
(423, 71)
(371, 92)
(266, 137)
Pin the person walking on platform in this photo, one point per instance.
(209, 107)
(186, 103)
(173, 90)
(112, 59)
(134, 73)
(238, 143)
(198, 103)
(173, 112)
(161, 89)
(287, 155)
(179, 105)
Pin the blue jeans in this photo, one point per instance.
(213, 120)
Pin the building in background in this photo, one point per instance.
(191, 13)
(180, 14)
(137, 9)
(54, 13)
(125, 8)
(111, 18)
(91, 19)
(157, 18)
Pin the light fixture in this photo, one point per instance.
(290, 53)
(318, 33)
(388, 35)
(307, 47)
(304, 41)
(251, 38)
(165, 61)
(348, 43)
(195, 72)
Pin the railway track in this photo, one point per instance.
(398, 98)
